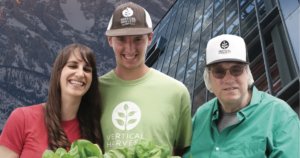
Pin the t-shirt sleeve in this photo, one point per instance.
(13, 133)
(184, 130)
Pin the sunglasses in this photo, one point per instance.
(219, 72)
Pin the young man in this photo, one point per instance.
(140, 102)
(241, 122)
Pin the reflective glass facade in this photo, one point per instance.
(178, 47)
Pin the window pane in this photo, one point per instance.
(190, 78)
(248, 17)
(219, 5)
(199, 97)
(207, 16)
(219, 25)
(181, 67)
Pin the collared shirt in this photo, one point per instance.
(267, 127)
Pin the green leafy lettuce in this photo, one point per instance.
(79, 149)
(85, 149)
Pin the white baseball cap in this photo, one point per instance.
(226, 47)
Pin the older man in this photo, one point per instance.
(241, 122)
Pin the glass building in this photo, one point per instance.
(269, 27)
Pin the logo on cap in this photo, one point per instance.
(127, 12)
(224, 44)
(128, 19)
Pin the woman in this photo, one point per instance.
(71, 112)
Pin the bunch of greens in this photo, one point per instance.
(79, 149)
(143, 149)
(85, 149)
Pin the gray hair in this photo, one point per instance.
(208, 83)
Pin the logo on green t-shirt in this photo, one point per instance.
(126, 116)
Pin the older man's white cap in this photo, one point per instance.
(226, 47)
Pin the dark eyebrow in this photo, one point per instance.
(138, 36)
(120, 37)
(72, 62)
(76, 62)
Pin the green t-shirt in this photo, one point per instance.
(267, 127)
(155, 107)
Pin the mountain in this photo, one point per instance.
(33, 31)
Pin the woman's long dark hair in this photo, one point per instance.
(89, 110)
